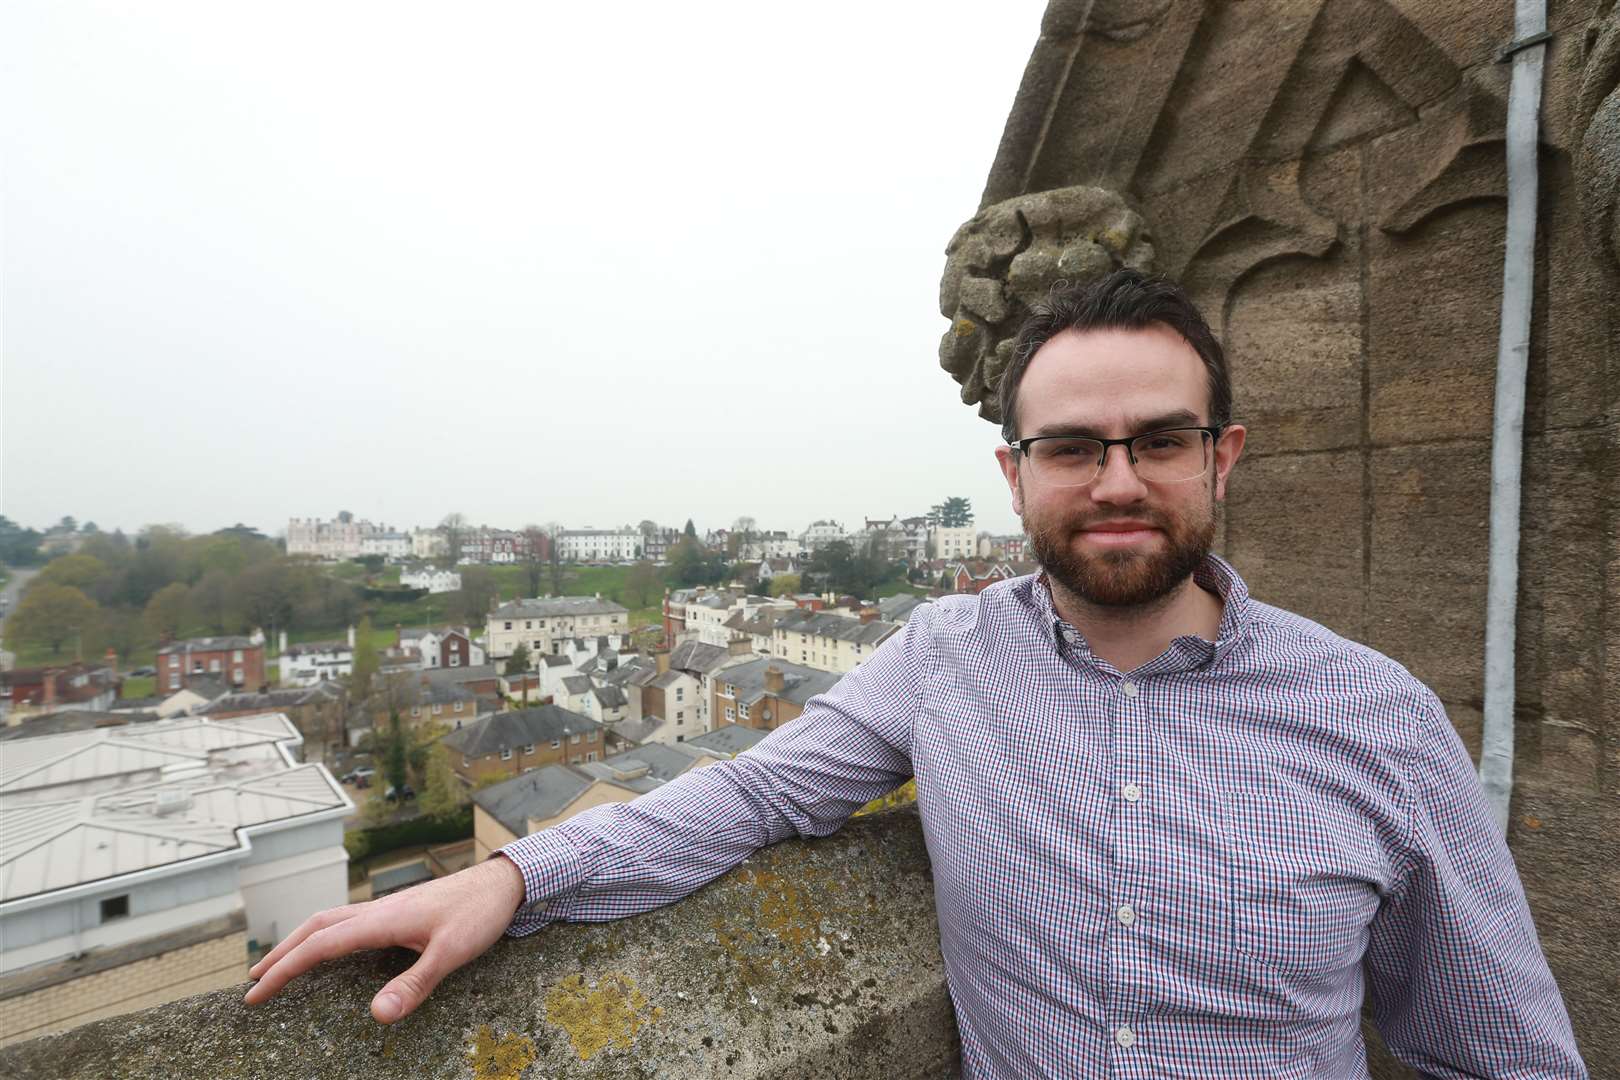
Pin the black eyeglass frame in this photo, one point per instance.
(1214, 433)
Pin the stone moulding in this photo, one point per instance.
(812, 959)
(1008, 256)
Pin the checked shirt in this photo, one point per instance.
(1194, 869)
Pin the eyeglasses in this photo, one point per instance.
(1161, 457)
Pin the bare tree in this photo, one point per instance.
(454, 527)
(742, 534)
(554, 531)
(536, 554)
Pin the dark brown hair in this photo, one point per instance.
(1124, 300)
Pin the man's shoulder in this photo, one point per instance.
(998, 608)
(1285, 638)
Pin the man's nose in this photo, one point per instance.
(1117, 482)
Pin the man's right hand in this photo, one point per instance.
(448, 921)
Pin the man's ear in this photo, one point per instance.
(1227, 451)
(1007, 458)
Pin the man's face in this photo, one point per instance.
(1118, 541)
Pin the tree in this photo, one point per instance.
(166, 612)
(953, 513)
(18, 546)
(641, 585)
(442, 793)
(67, 525)
(454, 527)
(51, 615)
(554, 531)
(784, 584)
(518, 662)
(689, 564)
(741, 537)
(536, 553)
(690, 532)
(212, 602)
(120, 630)
(472, 603)
(396, 753)
(365, 662)
(81, 572)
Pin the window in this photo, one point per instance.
(115, 907)
(236, 657)
(573, 738)
(591, 756)
(437, 709)
(236, 676)
(459, 704)
(680, 718)
(213, 664)
(731, 714)
(680, 693)
(508, 626)
(556, 744)
(174, 680)
(529, 749)
(506, 753)
(465, 763)
(574, 760)
(455, 659)
(416, 710)
(680, 738)
(743, 712)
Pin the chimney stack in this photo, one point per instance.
(662, 659)
(48, 690)
(868, 614)
(281, 640)
(351, 636)
(774, 680)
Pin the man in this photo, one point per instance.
(1174, 831)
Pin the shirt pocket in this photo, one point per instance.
(1304, 881)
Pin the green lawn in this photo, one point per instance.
(140, 686)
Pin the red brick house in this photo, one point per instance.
(236, 661)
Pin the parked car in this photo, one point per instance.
(404, 794)
(142, 672)
(360, 778)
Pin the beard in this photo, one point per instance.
(1122, 578)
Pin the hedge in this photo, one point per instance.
(364, 843)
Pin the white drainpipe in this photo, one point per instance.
(1507, 435)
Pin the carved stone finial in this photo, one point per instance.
(1004, 260)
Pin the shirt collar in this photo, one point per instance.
(1186, 652)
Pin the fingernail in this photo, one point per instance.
(388, 1007)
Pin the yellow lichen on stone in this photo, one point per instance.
(501, 1057)
(610, 1015)
(783, 908)
(966, 327)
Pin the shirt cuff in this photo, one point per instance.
(552, 870)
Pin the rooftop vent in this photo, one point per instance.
(173, 802)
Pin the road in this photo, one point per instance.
(13, 589)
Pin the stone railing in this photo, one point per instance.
(812, 959)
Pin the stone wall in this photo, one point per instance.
(811, 960)
(127, 979)
(1327, 178)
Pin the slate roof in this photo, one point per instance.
(71, 720)
(668, 679)
(518, 727)
(318, 647)
(554, 660)
(207, 644)
(271, 700)
(539, 793)
(205, 688)
(610, 697)
(455, 676)
(898, 608)
(577, 684)
(837, 627)
(799, 683)
(558, 605)
(698, 656)
(730, 739)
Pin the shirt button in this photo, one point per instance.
(1130, 792)
(1126, 914)
(1128, 689)
(1125, 1037)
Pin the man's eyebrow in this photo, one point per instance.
(1178, 418)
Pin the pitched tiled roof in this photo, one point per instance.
(518, 727)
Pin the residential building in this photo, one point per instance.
(311, 662)
(520, 739)
(599, 545)
(418, 700)
(30, 691)
(898, 608)
(770, 545)
(955, 542)
(704, 662)
(820, 534)
(236, 661)
(766, 693)
(144, 863)
(547, 795)
(440, 647)
(429, 544)
(431, 579)
(836, 643)
(676, 699)
(975, 577)
(656, 543)
(498, 547)
(392, 546)
(543, 625)
(344, 537)
(318, 712)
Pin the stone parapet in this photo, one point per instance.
(812, 959)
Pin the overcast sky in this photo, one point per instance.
(528, 262)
